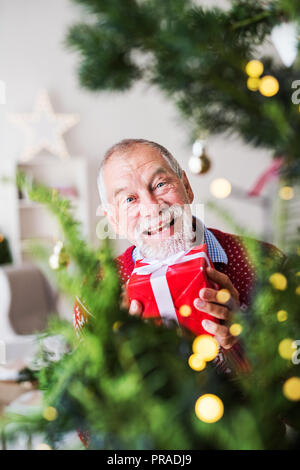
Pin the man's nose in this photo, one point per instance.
(151, 207)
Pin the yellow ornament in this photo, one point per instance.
(206, 347)
(209, 408)
(254, 68)
(298, 290)
(291, 389)
(268, 86)
(196, 362)
(278, 281)
(286, 349)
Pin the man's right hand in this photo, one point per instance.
(134, 307)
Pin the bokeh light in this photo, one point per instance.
(220, 188)
(286, 193)
(235, 329)
(42, 446)
(268, 86)
(206, 346)
(223, 295)
(209, 408)
(196, 362)
(254, 68)
(253, 83)
(282, 315)
(286, 349)
(291, 388)
(278, 281)
(50, 413)
(185, 310)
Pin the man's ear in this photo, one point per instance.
(187, 186)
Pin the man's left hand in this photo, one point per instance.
(210, 302)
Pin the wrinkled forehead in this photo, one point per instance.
(136, 164)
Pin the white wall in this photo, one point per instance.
(32, 56)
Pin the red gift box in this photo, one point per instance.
(163, 286)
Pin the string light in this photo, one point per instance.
(298, 290)
(42, 446)
(286, 193)
(185, 310)
(286, 349)
(223, 296)
(206, 347)
(291, 389)
(196, 362)
(254, 68)
(209, 408)
(220, 188)
(253, 83)
(278, 281)
(282, 315)
(235, 329)
(268, 86)
(50, 413)
(116, 326)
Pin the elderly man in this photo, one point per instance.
(146, 197)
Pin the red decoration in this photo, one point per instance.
(164, 286)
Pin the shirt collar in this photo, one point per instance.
(216, 252)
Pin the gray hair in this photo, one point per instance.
(122, 147)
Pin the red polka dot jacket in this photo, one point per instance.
(241, 272)
(239, 269)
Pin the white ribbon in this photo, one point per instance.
(158, 280)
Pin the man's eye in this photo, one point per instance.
(129, 199)
(160, 183)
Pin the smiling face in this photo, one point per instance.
(149, 203)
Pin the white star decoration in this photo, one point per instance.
(44, 129)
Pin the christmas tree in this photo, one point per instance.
(131, 384)
(136, 385)
(202, 59)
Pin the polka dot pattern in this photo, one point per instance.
(240, 269)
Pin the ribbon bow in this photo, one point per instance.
(158, 269)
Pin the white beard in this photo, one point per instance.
(182, 239)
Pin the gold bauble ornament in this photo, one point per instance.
(199, 163)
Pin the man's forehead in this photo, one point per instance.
(140, 157)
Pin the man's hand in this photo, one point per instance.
(134, 307)
(211, 302)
